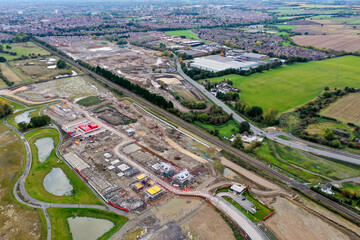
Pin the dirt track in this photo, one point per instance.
(248, 174)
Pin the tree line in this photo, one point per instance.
(135, 88)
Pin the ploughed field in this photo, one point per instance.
(293, 85)
(346, 109)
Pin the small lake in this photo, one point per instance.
(44, 147)
(57, 183)
(87, 228)
(24, 117)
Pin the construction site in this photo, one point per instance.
(148, 68)
(118, 148)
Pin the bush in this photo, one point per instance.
(61, 64)
(335, 143)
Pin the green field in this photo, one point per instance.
(293, 85)
(89, 101)
(34, 181)
(284, 26)
(60, 226)
(23, 49)
(15, 105)
(186, 33)
(303, 166)
(225, 130)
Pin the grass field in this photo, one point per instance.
(351, 187)
(89, 101)
(346, 109)
(15, 105)
(23, 49)
(225, 130)
(9, 74)
(261, 210)
(16, 222)
(303, 166)
(318, 128)
(184, 93)
(34, 182)
(186, 33)
(293, 85)
(38, 71)
(60, 226)
(284, 26)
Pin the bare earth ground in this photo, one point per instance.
(15, 222)
(292, 222)
(248, 174)
(336, 42)
(176, 209)
(194, 216)
(346, 109)
(337, 36)
(209, 225)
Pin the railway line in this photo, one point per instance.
(254, 162)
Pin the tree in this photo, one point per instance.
(270, 116)
(237, 143)
(244, 127)
(23, 126)
(255, 112)
(61, 64)
(39, 121)
(329, 134)
(5, 108)
(2, 59)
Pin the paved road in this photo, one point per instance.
(215, 141)
(339, 155)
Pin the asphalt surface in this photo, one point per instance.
(300, 187)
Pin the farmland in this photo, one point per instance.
(293, 85)
(329, 35)
(186, 33)
(23, 49)
(347, 109)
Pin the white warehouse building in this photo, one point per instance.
(216, 63)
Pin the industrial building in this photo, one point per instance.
(216, 63)
(254, 56)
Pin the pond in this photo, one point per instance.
(24, 117)
(57, 183)
(44, 146)
(87, 228)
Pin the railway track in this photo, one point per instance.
(254, 162)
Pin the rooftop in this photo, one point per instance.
(154, 189)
